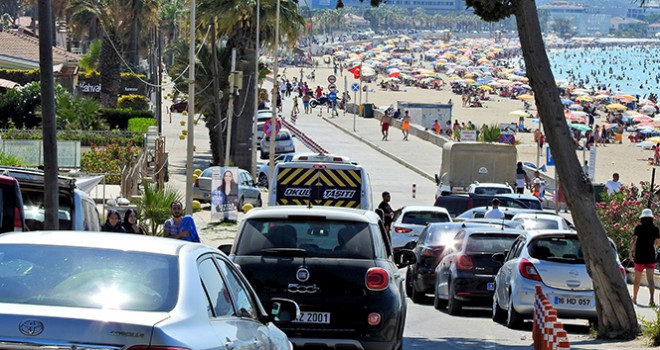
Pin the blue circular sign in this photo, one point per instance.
(332, 96)
(355, 87)
(268, 127)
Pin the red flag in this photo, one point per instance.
(356, 71)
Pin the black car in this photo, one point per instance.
(337, 264)
(457, 203)
(467, 271)
(432, 241)
(179, 107)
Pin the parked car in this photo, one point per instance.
(542, 221)
(552, 259)
(100, 290)
(283, 143)
(336, 263)
(248, 192)
(264, 169)
(77, 210)
(429, 247)
(179, 107)
(509, 213)
(13, 218)
(532, 202)
(411, 220)
(489, 189)
(466, 273)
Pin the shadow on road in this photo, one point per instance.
(456, 343)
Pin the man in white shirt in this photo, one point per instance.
(613, 185)
(495, 212)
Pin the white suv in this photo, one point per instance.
(489, 189)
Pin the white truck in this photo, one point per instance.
(466, 163)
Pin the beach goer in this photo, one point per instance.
(113, 222)
(494, 212)
(436, 127)
(522, 180)
(405, 126)
(188, 230)
(131, 224)
(643, 244)
(613, 186)
(385, 125)
(171, 225)
(305, 100)
(295, 110)
(542, 183)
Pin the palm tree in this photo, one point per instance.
(236, 21)
(144, 17)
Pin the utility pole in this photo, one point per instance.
(191, 113)
(273, 119)
(230, 107)
(159, 79)
(256, 98)
(51, 195)
(217, 94)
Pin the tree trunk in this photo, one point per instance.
(133, 40)
(616, 314)
(241, 147)
(216, 129)
(110, 69)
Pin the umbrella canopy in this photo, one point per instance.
(580, 127)
(525, 97)
(485, 87)
(616, 107)
(519, 113)
(648, 109)
(654, 139)
(642, 118)
(585, 98)
(575, 107)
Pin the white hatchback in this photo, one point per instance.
(283, 144)
(411, 220)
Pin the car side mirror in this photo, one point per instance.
(410, 245)
(498, 257)
(404, 257)
(282, 310)
(437, 179)
(225, 248)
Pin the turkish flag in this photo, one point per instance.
(356, 71)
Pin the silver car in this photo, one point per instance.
(411, 220)
(248, 192)
(100, 290)
(542, 221)
(552, 259)
(283, 143)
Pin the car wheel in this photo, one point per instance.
(498, 314)
(593, 323)
(408, 285)
(264, 155)
(263, 180)
(454, 306)
(417, 297)
(514, 320)
(438, 304)
(313, 103)
(241, 202)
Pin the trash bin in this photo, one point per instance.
(367, 110)
(599, 190)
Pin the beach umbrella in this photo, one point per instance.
(616, 107)
(470, 81)
(575, 107)
(520, 113)
(579, 127)
(602, 97)
(648, 144)
(585, 99)
(485, 87)
(394, 74)
(626, 97)
(654, 139)
(648, 109)
(642, 118)
(567, 102)
(525, 97)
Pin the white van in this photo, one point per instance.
(323, 179)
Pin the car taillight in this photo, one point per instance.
(528, 270)
(197, 183)
(432, 251)
(154, 347)
(402, 229)
(18, 223)
(470, 203)
(377, 279)
(623, 272)
(464, 262)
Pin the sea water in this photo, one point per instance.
(626, 69)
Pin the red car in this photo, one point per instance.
(179, 107)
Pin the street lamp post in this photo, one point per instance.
(256, 99)
(271, 148)
(191, 113)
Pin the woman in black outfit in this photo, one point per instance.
(113, 222)
(130, 222)
(645, 240)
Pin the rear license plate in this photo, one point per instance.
(490, 286)
(313, 317)
(573, 300)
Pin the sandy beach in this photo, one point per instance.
(627, 159)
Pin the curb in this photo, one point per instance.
(377, 148)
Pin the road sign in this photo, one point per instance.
(510, 139)
(332, 96)
(549, 161)
(507, 129)
(332, 79)
(332, 87)
(268, 127)
(355, 87)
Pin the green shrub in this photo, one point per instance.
(651, 329)
(140, 125)
(134, 102)
(118, 118)
(155, 206)
(86, 137)
(11, 160)
(490, 133)
(111, 159)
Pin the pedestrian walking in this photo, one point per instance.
(522, 180)
(405, 126)
(305, 100)
(388, 213)
(385, 125)
(295, 110)
(644, 243)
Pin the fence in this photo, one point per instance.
(547, 332)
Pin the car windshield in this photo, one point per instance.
(531, 204)
(87, 278)
(281, 136)
(540, 224)
(314, 238)
(424, 217)
(491, 191)
(565, 249)
(442, 237)
(489, 243)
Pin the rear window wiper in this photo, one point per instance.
(284, 252)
